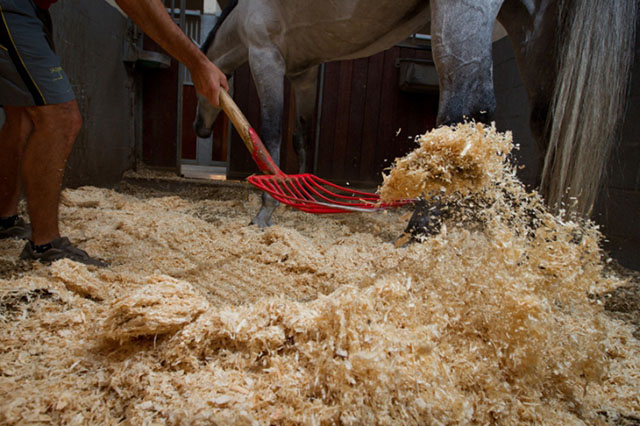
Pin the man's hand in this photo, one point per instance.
(152, 17)
(208, 79)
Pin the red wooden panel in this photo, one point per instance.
(220, 138)
(189, 107)
(342, 119)
(416, 111)
(358, 145)
(372, 109)
(388, 99)
(404, 122)
(328, 120)
(159, 108)
(354, 140)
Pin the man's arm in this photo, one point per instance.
(152, 17)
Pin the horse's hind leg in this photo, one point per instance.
(461, 40)
(305, 87)
(268, 69)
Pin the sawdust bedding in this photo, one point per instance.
(320, 319)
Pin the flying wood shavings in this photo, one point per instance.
(202, 319)
(448, 159)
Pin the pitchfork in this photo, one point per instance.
(305, 191)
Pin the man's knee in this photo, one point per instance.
(59, 119)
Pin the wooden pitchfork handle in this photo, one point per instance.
(249, 136)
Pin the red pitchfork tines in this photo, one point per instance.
(305, 191)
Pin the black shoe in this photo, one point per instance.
(60, 248)
(16, 227)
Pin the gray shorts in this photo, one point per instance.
(30, 71)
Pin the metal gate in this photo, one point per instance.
(197, 160)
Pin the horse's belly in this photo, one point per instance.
(324, 31)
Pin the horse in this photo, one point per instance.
(574, 58)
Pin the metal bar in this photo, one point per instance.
(419, 36)
(205, 164)
(414, 46)
(187, 12)
(414, 60)
(181, 71)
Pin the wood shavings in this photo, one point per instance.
(318, 320)
(76, 278)
(460, 159)
(161, 305)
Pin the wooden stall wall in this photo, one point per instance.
(159, 124)
(90, 37)
(366, 121)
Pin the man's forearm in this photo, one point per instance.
(152, 17)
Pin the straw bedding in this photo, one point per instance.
(318, 320)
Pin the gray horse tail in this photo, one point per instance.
(589, 99)
(212, 34)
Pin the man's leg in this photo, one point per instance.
(30, 74)
(13, 138)
(55, 128)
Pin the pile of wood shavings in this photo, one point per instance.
(460, 159)
(319, 320)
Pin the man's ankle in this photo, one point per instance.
(43, 241)
(40, 248)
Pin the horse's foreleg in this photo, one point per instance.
(305, 87)
(461, 33)
(268, 69)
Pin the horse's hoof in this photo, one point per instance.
(261, 224)
(426, 221)
(263, 219)
(202, 132)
